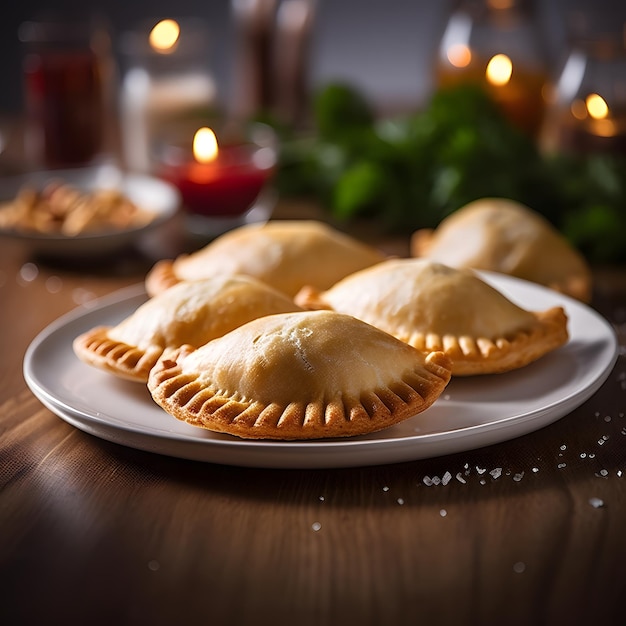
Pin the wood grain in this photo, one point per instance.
(530, 531)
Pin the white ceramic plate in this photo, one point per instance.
(472, 412)
(149, 193)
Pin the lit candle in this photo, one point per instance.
(168, 80)
(589, 125)
(221, 180)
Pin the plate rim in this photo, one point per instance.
(538, 417)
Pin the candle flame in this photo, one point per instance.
(164, 36)
(499, 70)
(597, 107)
(205, 145)
(459, 55)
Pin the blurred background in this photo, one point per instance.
(524, 99)
(385, 48)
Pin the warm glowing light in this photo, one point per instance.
(596, 106)
(164, 36)
(499, 70)
(459, 55)
(579, 109)
(501, 4)
(605, 128)
(205, 145)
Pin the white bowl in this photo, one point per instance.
(149, 193)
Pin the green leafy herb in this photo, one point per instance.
(413, 171)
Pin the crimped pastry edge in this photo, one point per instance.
(192, 401)
(96, 348)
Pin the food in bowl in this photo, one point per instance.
(59, 208)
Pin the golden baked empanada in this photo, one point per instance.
(285, 254)
(435, 307)
(188, 313)
(505, 236)
(305, 375)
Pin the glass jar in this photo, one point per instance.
(497, 44)
(167, 79)
(67, 70)
(588, 110)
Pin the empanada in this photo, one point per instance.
(505, 236)
(434, 307)
(189, 313)
(304, 375)
(285, 254)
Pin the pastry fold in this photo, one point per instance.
(435, 307)
(189, 313)
(286, 254)
(303, 375)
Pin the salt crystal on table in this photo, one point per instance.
(596, 503)
(28, 272)
(54, 284)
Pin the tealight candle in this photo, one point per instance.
(220, 180)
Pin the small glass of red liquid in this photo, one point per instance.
(65, 75)
(229, 187)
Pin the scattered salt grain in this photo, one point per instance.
(385, 488)
(82, 296)
(316, 526)
(322, 498)
(28, 273)
(562, 465)
(481, 470)
(443, 512)
(54, 284)
(496, 473)
(535, 470)
(446, 478)
(602, 473)
(596, 503)
(518, 477)
(460, 478)
(400, 501)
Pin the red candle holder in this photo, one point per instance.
(227, 188)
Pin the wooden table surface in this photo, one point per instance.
(530, 531)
